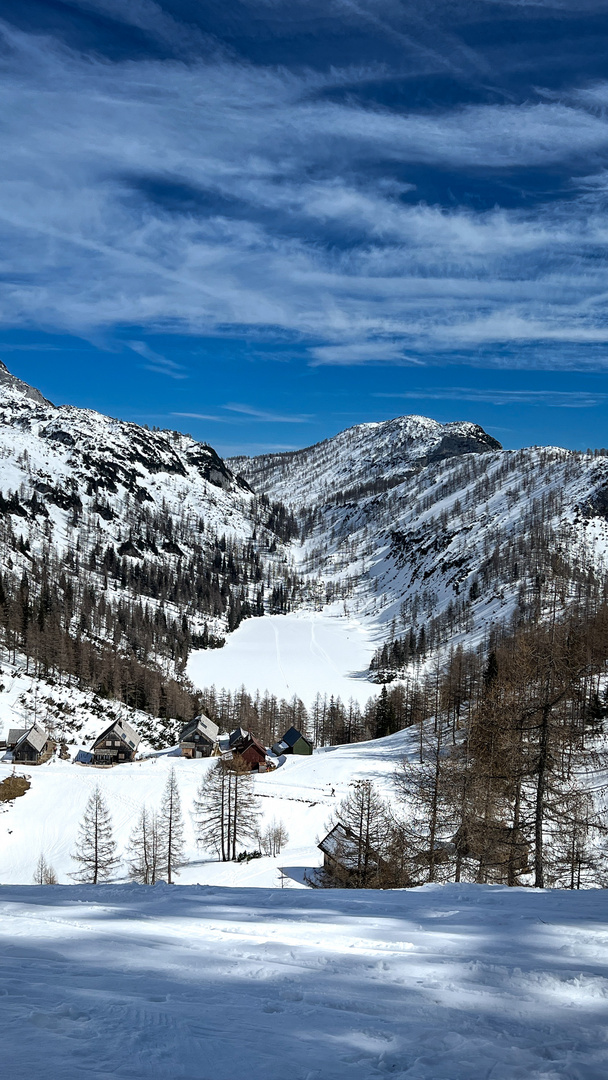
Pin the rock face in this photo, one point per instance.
(10, 382)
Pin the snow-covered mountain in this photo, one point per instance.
(148, 544)
(80, 487)
(413, 524)
(362, 459)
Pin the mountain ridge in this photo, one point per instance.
(377, 451)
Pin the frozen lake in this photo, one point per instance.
(302, 653)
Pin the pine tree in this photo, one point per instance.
(171, 829)
(225, 811)
(44, 873)
(96, 848)
(144, 851)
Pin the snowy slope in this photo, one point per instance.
(462, 982)
(70, 715)
(298, 793)
(361, 457)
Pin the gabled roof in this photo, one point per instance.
(16, 733)
(293, 736)
(238, 735)
(124, 730)
(280, 747)
(36, 737)
(342, 845)
(203, 725)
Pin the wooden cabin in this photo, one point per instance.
(198, 739)
(34, 746)
(245, 746)
(116, 744)
(293, 742)
(14, 735)
(343, 851)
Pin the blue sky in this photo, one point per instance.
(265, 220)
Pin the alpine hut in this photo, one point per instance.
(245, 746)
(293, 742)
(116, 744)
(34, 746)
(198, 739)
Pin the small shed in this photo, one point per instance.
(293, 742)
(249, 749)
(14, 735)
(118, 743)
(34, 747)
(198, 739)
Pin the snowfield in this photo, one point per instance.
(459, 982)
(303, 653)
(298, 793)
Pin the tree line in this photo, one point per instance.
(505, 759)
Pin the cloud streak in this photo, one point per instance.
(552, 399)
(219, 196)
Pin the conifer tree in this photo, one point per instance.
(44, 873)
(224, 811)
(95, 846)
(144, 850)
(171, 829)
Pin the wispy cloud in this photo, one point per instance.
(245, 413)
(362, 352)
(155, 362)
(267, 415)
(555, 399)
(202, 416)
(216, 197)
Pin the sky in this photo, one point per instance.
(263, 221)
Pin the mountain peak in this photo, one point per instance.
(368, 457)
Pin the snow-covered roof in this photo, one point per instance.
(124, 730)
(203, 725)
(35, 737)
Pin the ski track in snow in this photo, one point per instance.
(457, 982)
(303, 653)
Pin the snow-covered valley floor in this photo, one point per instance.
(298, 794)
(459, 982)
(303, 653)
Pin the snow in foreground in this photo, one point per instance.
(303, 653)
(194, 983)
